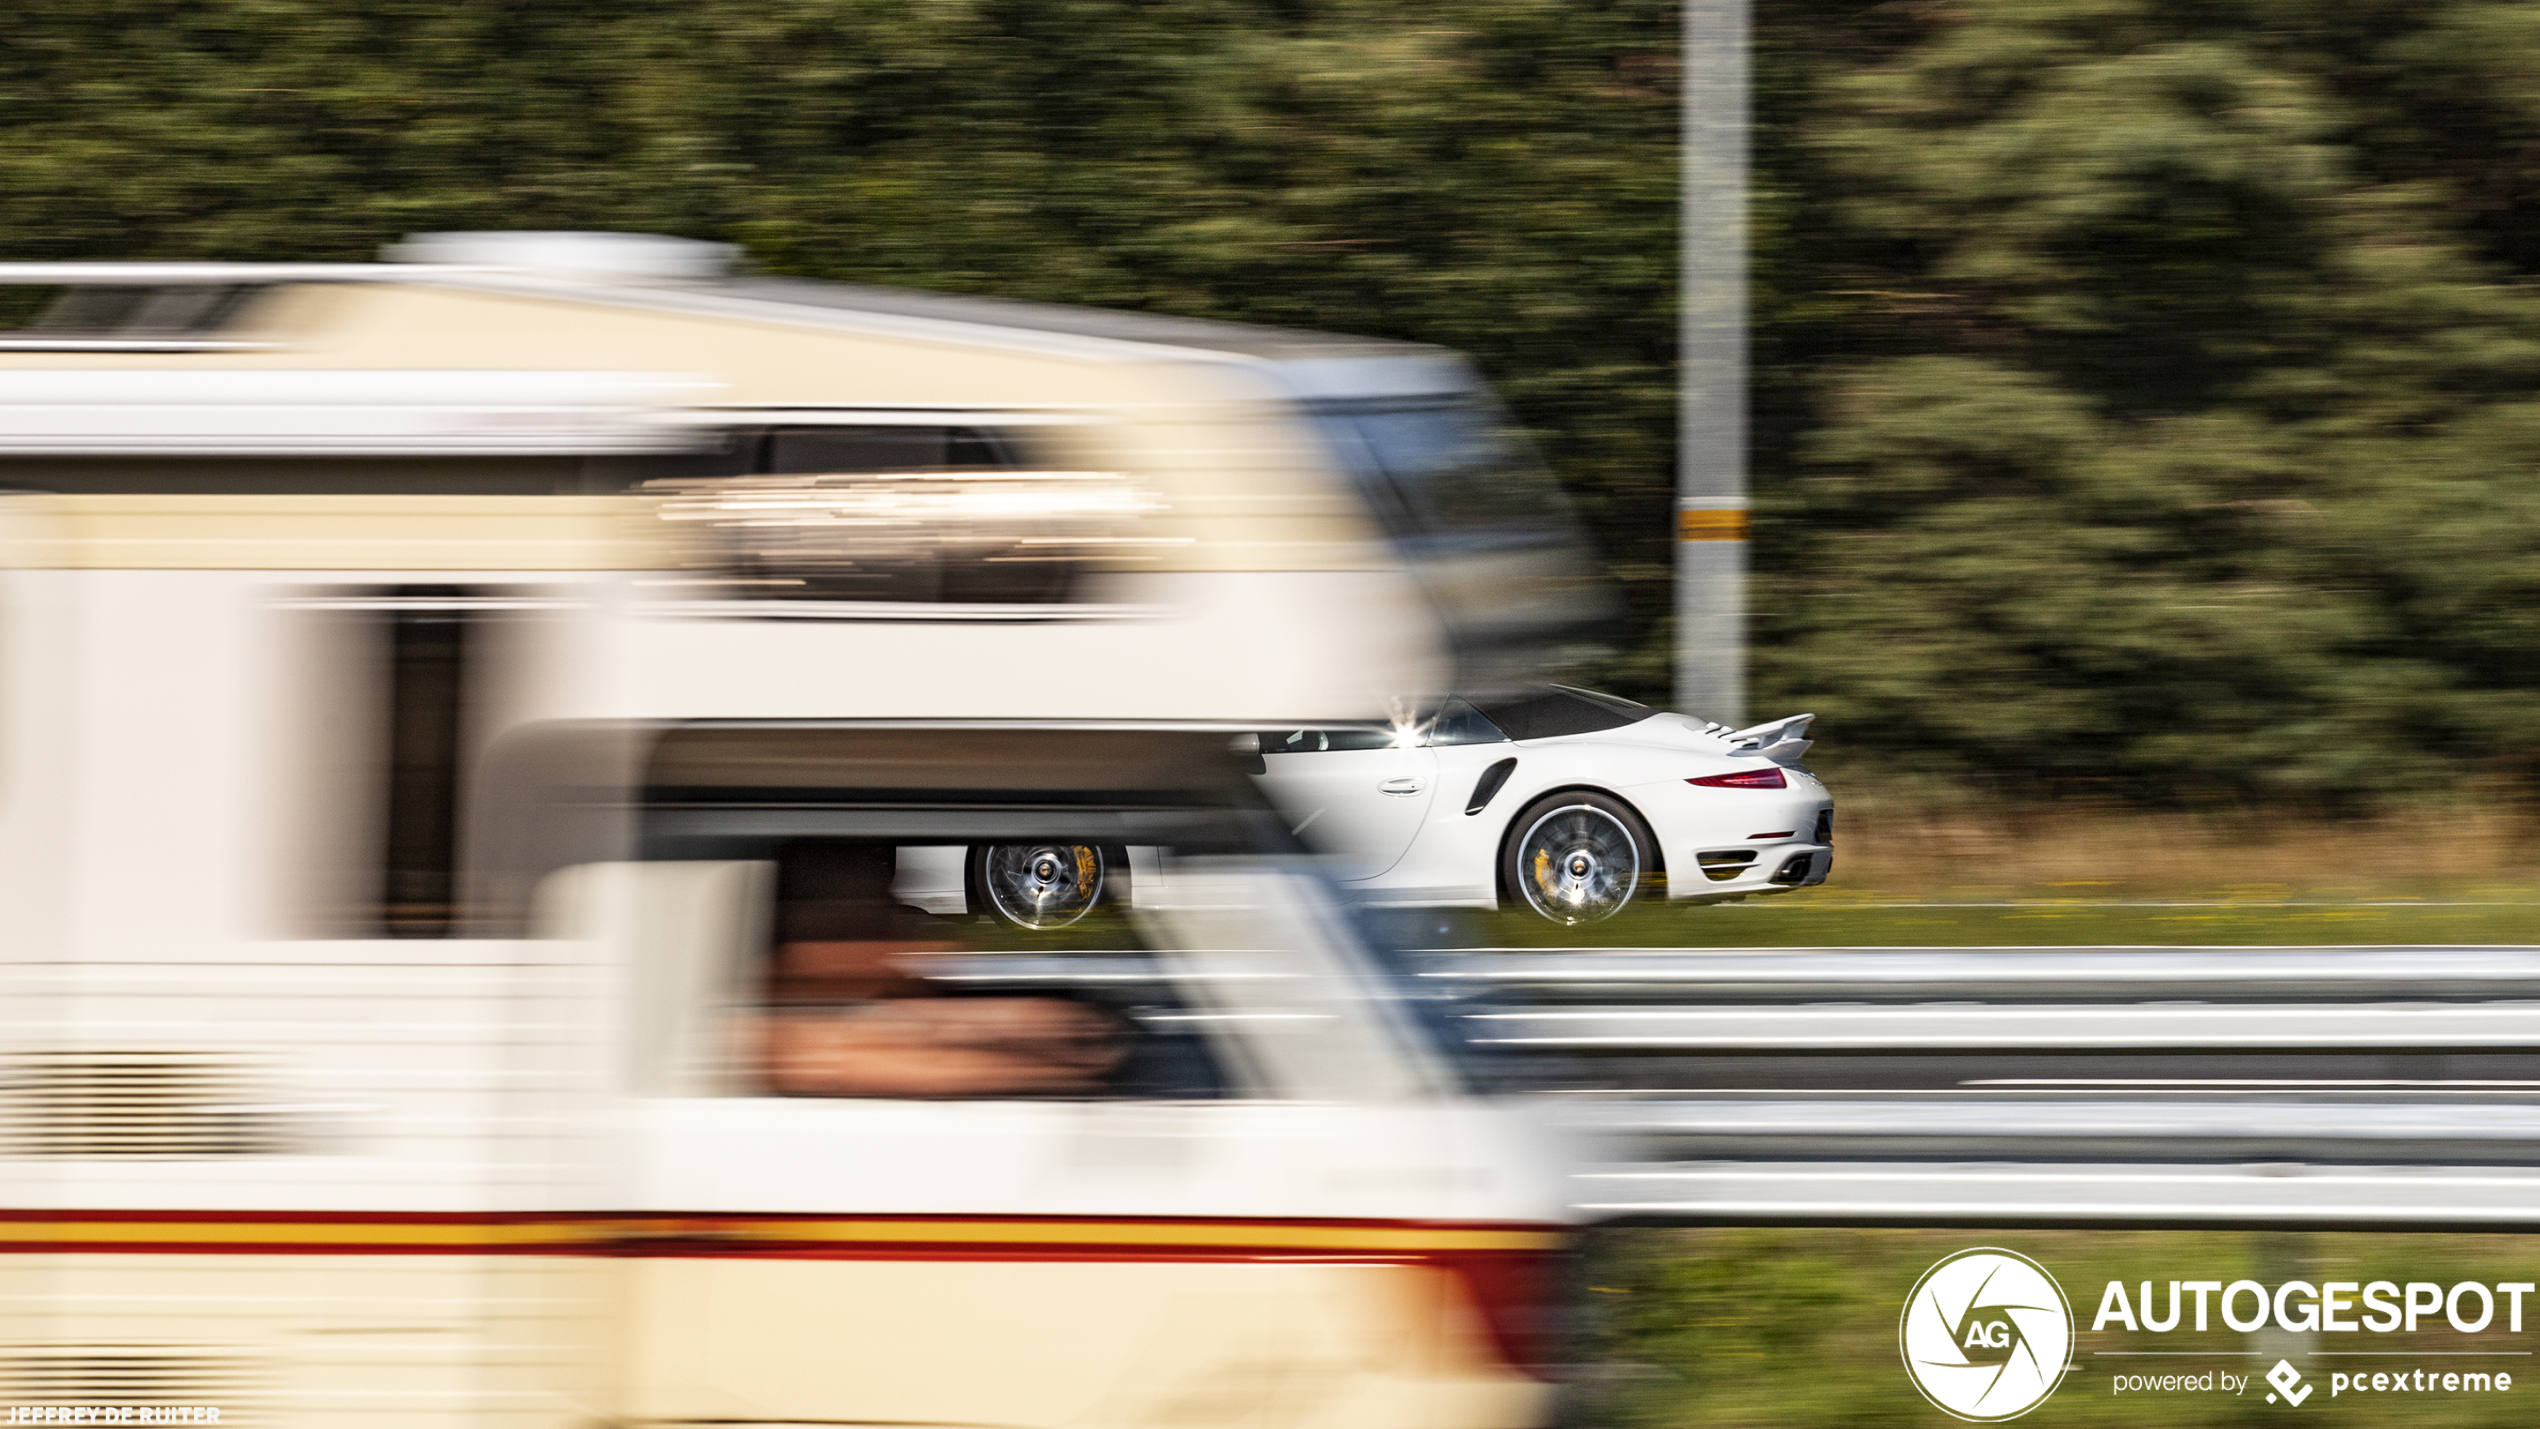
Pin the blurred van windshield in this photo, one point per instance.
(1447, 473)
(1478, 520)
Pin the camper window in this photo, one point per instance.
(815, 450)
(1323, 741)
(866, 997)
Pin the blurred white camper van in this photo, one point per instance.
(462, 722)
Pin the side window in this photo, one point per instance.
(922, 515)
(863, 996)
(848, 450)
(1326, 739)
(1360, 737)
(389, 689)
(428, 633)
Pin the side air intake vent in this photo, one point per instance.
(1488, 786)
(1722, 866)
(140, 1104)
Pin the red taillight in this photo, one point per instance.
(1518, 1293)
(1746, 779)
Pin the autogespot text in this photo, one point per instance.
(2379, 1306)
(2328, 1307)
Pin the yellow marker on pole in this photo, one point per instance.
(1713, 524)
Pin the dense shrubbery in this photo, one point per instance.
(2157, 403)
(2145, 391)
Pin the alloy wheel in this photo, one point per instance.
(1042, 885)
(1578, 863)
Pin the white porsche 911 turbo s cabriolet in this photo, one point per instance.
(1560, 801)
(1563, 802)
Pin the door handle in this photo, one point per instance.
(1407, 784)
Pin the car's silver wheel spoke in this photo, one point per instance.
(1578, 864)
(1042, 885)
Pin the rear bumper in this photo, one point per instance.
(1735, 843)
(1778, 868)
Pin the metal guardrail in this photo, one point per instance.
(2015, 1027)
(1993, 975)
(2064, 1194)
(2248, 1086)
(2039, 1129)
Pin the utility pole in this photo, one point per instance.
(1711, 365)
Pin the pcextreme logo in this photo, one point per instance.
(1985, 1333)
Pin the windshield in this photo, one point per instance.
(1447, 471)
(1457, 722)
(987, 912)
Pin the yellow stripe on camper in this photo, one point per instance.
(604, 1234)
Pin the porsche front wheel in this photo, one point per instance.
(1577, 857)
(1036, 886)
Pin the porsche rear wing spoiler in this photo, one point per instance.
(1782, 741)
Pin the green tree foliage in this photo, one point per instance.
(2155, 402)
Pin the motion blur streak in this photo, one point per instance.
(586, 839)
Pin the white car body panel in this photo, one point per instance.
(1453, 858)
(1369, 806)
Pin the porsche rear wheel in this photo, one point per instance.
(1036, 886)
(1577, 857)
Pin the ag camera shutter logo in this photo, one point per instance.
(1985, 1333)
